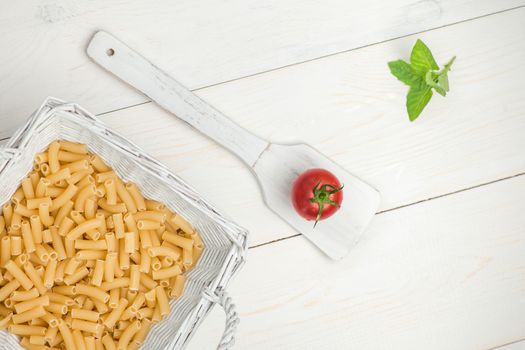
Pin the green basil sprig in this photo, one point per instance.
(422, 75)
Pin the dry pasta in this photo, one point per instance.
(86, 262)
(137, 196)
(24, 295)
(85, 315)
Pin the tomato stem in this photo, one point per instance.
(322, 197)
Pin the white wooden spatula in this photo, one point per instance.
(276, 166)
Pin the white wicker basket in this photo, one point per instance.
(225, 242)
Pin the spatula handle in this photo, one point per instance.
(138, 72)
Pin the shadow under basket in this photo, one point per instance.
(225, 242)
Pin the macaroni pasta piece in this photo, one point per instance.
(52, 156)
(137, 196)
(24, 295)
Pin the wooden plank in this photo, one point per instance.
(444, 274)
(199, 42)
(350, 108)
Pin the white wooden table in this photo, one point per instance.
(442, 265)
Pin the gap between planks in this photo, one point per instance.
(335, 53)
(409, 205)
(509, 345)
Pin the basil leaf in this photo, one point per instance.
(417, 98)
(404, 72)
(421, 58)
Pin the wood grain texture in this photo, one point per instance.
(351, 109)
(199, 42)
(444, 274)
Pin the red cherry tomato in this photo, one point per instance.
(317, 194)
